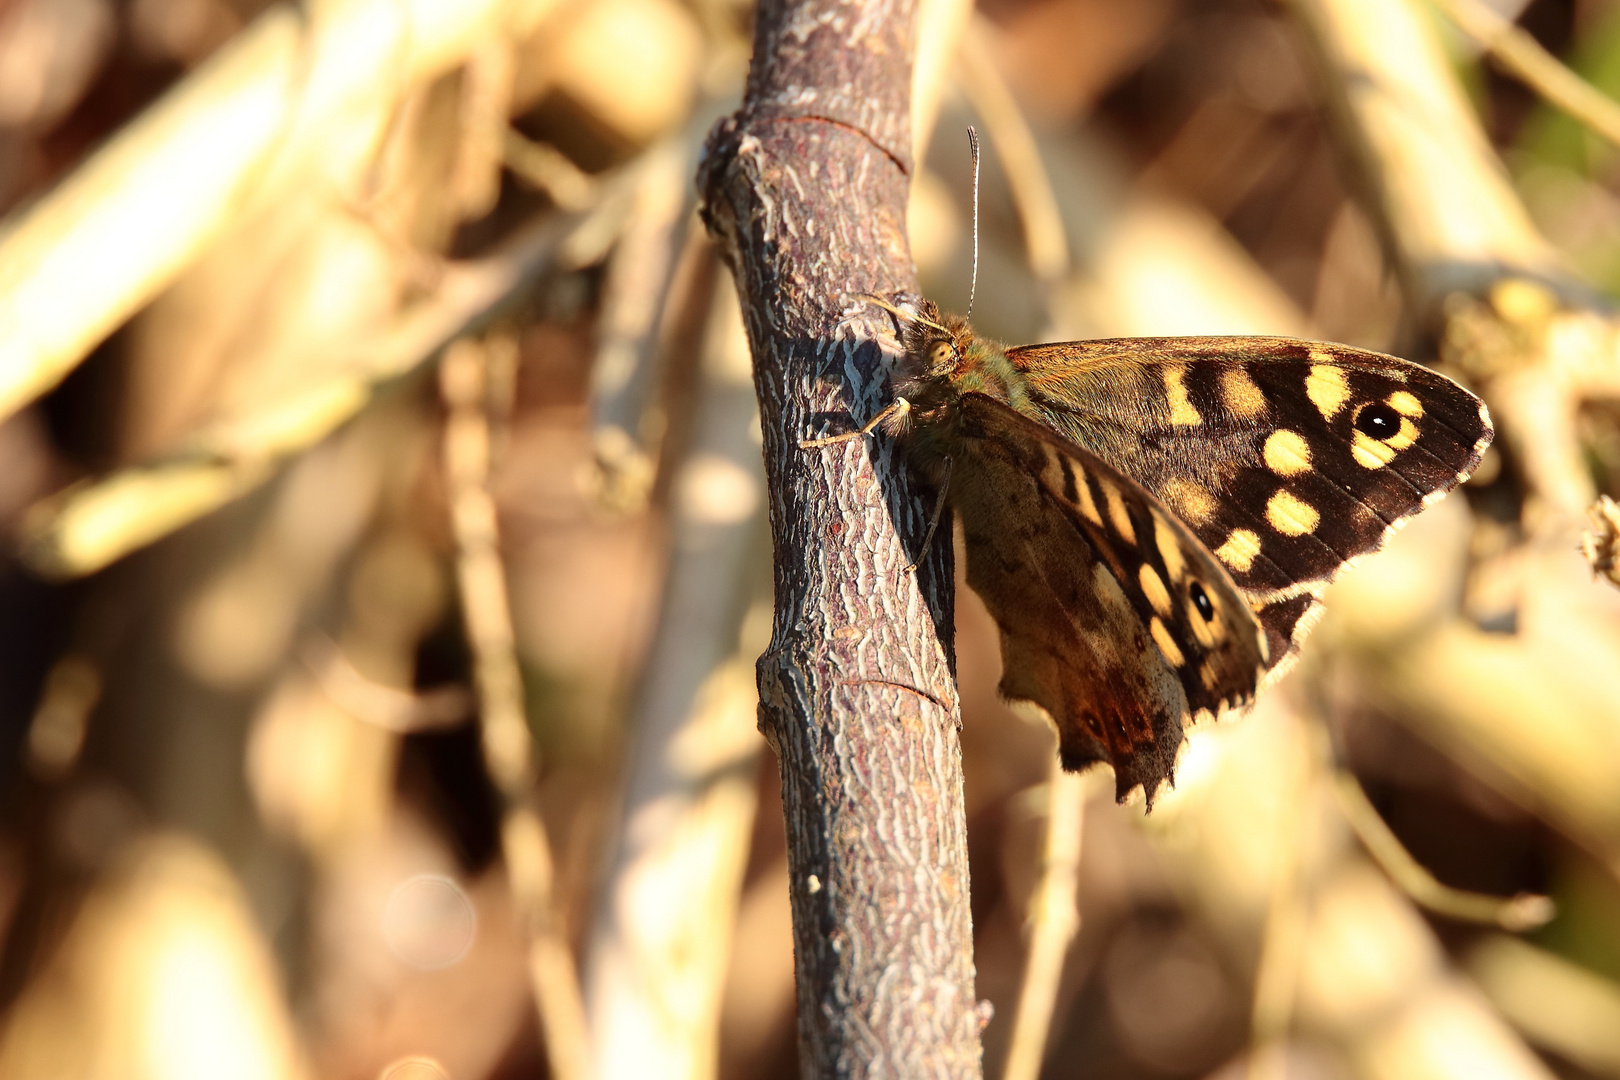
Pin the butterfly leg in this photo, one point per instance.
(933, 523)
(902, 315)
(899, 408)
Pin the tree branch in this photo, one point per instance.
(805, 190)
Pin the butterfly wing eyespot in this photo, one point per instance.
(1081, 567)
(1200, 599)
(1377, 420)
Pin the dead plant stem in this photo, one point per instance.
(1054, 919)
(464, 378)
(1539, 69)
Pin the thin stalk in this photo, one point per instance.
(464, 380)
(1054, 920)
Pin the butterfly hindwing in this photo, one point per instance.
(1288, 459)
(1113, 617)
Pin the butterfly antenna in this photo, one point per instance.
(973, 286)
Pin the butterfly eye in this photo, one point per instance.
(1378, 421)
(1201, 601)
(941, 354)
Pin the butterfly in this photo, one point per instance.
(1152, 521)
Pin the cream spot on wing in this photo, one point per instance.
(1259, 600)
(1082, 488)
(1369, 452)
(1052, 472)
(1206, 674)
(1117, 514)
(1287, 454)
(1189, 500)
(1290, 516)
(1169, 548)
(1328, 388)
(1405, 403)
(1166, 643)
(1404, 437)
(1153, 588)
(1239, 550)
(1181, 408)
(1242, 397)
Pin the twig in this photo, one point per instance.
(805, 190)
(655, 981)
(508, 747)
(1277, 972)
(1446, 202)
(384, 706)
(486, 102)
(1525, 911)
(62, 718)
(662, 253)
(92, 524)
(1558, 1003)
(289, 98)
(1543, 72)
(1054, 919)
(548, 169)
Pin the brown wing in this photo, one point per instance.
(1288, 459)
(1113, 617)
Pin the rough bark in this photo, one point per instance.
(805, 189)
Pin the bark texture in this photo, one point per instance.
(805, 190)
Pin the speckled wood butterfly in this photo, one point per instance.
(1152, 521)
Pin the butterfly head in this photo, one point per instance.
(938, 347)
(946, 358)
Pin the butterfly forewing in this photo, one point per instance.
(1113, 617)
(1288, 459)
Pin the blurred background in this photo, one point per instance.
(385, 551)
